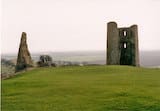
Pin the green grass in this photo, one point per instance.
(89, 88)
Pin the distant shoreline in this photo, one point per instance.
(147, 58)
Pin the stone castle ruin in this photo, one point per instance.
(24, 59)
(122, 45)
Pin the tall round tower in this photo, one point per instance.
(113, 53)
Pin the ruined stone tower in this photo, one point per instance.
(122, 45)
(24, 58)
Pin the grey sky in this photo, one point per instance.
(68, 25)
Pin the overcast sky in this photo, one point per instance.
(73, 25)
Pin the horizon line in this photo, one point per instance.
(2, 53)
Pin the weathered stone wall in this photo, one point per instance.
(125, 46)
(134, 29)
(112, 44)
(24, 58)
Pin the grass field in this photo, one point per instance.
(88, 88)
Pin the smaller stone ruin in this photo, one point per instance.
(45, 60)
(24, 59)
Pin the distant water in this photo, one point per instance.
(150, 58)
(147, 58)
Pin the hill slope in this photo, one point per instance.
(92, 88)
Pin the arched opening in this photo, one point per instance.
(124, 33)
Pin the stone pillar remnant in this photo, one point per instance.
(24, 59)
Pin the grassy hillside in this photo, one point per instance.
(91, 88)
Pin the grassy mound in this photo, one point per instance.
(89, 88)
